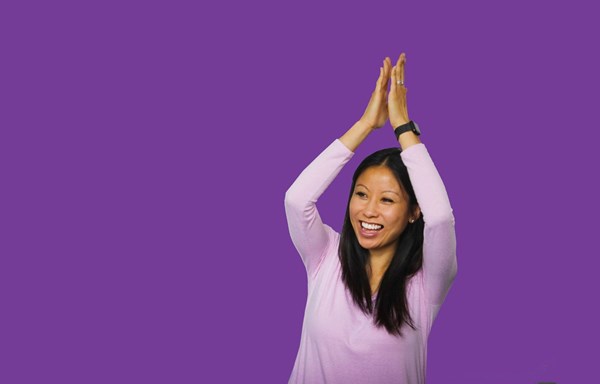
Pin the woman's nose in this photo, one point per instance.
(371, 208)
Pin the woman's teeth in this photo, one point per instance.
(372, 227)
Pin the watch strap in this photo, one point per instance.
(410, 126)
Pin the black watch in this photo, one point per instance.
(410, 126)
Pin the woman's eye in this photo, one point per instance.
(388, 200)
(360, 194)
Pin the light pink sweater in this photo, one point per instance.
(339, 343)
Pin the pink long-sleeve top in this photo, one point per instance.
(339, 343)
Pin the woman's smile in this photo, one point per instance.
(371, 226)
(370, 230)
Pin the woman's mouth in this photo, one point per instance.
(370, 226)
(370, 229)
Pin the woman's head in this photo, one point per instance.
(382, 202)
(382, 199)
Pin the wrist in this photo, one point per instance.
(395, 124)
(356, 135)
(362, 124)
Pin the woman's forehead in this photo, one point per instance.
(378, 177)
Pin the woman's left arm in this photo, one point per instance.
(439, 238)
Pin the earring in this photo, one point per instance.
(411, 221)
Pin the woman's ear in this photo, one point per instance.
(416, 213)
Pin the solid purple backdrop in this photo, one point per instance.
(146, 147)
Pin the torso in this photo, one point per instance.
(341, 344)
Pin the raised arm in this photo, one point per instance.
(309, 235)
(439, 238)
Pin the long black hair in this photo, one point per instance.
(391, 307)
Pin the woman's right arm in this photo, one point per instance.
(309, 235)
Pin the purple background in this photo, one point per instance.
(145, 150)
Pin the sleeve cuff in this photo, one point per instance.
(339, 146)
(413, 150)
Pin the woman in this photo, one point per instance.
(375, 289)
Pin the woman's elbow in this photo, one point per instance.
(293, 200)
(453, 270)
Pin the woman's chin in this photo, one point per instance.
(367, 240)
(365, 244)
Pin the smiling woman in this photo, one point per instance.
(374, 290)
(382, 204)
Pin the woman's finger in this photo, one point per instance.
(399, 67)
(382, 76)
(399, 62)
(387, 71)
(403, 56)
(393, 86)
(399, 80)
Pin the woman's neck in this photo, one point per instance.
(379, 261)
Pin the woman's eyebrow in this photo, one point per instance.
(362, 185)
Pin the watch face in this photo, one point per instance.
(417, 130)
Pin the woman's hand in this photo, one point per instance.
(397, 97)
(376, 113)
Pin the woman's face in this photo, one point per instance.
(378, 209)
